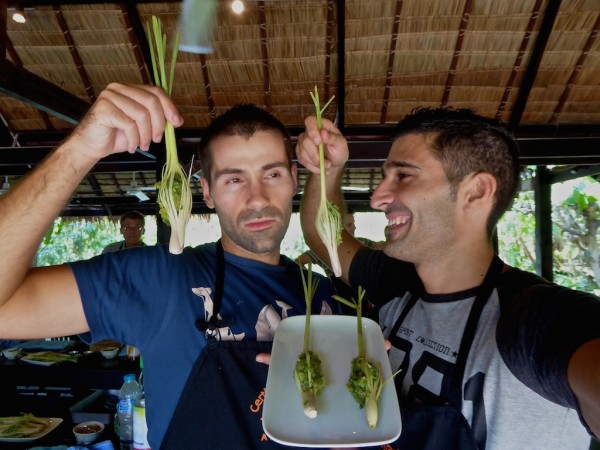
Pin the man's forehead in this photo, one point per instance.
(262, 150)
(410, 150)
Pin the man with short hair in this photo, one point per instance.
(491, 357)
(199, 318)
(132, 228)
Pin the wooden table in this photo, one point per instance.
(49, 391)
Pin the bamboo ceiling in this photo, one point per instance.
(534, 64)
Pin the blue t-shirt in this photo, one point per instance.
(152, 299)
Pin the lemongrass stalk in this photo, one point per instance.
(365, 382)
(329, 220)
(174, 192)
(308, 373)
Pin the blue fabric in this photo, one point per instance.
(151, 299)
(104, 445)
(57, 447)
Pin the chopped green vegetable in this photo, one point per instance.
(50, 357)
(308, 373)
(22, 426)
(329, 220)
(174, 193)
(365, 382)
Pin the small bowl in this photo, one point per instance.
(88, 432)
(110, 352)
(11, 353)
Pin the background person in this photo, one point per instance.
(480, 344)
(132, 228)
(199, 340)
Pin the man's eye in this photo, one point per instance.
(233, 180)
(273, 175)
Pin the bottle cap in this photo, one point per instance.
(129, 377)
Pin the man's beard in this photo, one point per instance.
(264, 241)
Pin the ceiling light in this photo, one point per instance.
(19, 14)
(237, 6)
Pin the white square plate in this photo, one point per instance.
(53, 422)
(340, 422)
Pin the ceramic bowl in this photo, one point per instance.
(88, 432)
(11, 353)
(110, 352)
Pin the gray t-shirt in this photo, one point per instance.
(515, 389)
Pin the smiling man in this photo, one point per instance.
(479, 344)
(199, 318)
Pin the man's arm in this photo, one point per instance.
(336, 155)
(45, 301)
(584, 378)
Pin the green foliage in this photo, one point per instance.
(575, 234)
(75, 239)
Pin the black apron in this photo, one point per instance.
(443, 427)
(221, 404)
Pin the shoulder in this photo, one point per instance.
(114, 247)
(383, 276)
(541, 325)
(520, 291)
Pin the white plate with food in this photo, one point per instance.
(26, 428)
(47, 358)
(339, 422)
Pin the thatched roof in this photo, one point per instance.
(534, 64)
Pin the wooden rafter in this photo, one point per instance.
(534, 63)
(464, 22)
(341, 49)
(133, 25)
(209, 98)
(390, 67)
(328, 47)
(575, 73)
(3, 26)
(74, 53)
(264, 53)
(519, 59)
(14, 56)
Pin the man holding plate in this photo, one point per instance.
(491, 357)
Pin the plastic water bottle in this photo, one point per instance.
(140, 427)
(129, 393)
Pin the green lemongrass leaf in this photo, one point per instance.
(173, 61)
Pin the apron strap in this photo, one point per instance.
(483, 293)
(214, 323)
(411, 302)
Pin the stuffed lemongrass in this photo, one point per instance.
(366, 381)
(174, 193)
(308, 373)
(329, 220)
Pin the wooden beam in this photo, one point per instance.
(35, 91)
(534, 63)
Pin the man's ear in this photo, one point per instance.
(480, 190)
(206, 193)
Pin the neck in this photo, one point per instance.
(465, 269)
(270, 257)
